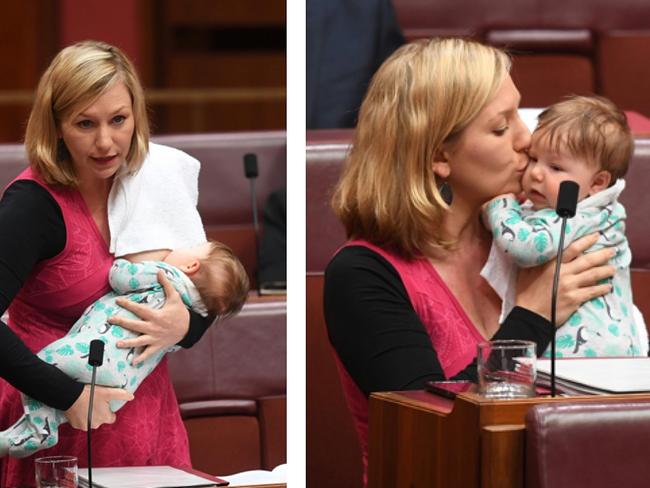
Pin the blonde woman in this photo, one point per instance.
(438, 136)
(87, 127)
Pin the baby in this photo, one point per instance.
(209, 279)
(587, 140)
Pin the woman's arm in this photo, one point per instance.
(377, 334)
(372, 325)
(32, 229)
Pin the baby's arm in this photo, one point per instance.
(127, 277)
(529, 240)
(153, 255)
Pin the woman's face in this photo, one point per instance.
(98, 138)
(489, 158)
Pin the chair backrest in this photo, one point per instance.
(243, 357)
(588, 444)
(231, 390)
(636, 199)
(326, 152)
(333, 450)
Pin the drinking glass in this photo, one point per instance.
(507, 369)
(56, 472)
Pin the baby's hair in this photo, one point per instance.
(222, 281)
(592, 128)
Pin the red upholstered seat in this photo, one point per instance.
(231, 388)
(595, 445)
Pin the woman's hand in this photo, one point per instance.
(77, 414)
(580, 275)
(160, 329)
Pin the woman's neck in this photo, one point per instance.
(462, 223)
(95, 192)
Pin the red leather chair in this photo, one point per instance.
(588, 445)
(231, 389)
(636, 199)
(333, 451)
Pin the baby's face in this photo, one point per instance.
(547, 169)
(184, 256)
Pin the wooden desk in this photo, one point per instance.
(420, 440)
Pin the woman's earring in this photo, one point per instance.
(61, 151)
(446, 193)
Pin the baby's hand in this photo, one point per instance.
(490, 204)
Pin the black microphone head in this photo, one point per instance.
(567, 199)
(250, 165)
(96, 355)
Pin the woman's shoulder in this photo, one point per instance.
(28, 195)
(353, 261)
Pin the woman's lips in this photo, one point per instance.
(105, 159)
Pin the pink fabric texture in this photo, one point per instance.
(453, 336)
(149, 429)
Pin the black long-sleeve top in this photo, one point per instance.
(377, 334)
(32, 230)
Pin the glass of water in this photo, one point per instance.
(56, 472)
(507, 369)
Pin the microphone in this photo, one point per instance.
(95, 359)
(567, 200)
(250, 171)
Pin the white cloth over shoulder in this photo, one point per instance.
(155, 208)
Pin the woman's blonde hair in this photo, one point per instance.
(77, 76)
(423, 95)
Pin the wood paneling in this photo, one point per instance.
(221, 45)
(27, 43)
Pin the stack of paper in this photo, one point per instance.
(146, 477)
(597, 376)
(258, 477)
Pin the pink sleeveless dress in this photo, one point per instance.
(149, 429)
(453, 336)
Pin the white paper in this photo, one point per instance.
(258, 477)
(615, 375)
(142, 477)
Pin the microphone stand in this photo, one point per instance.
(95, 359)
(250, 171)
(554, 302)
(567, 200)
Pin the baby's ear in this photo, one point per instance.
(600, 182)
(191, 267)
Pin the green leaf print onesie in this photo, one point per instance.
(38, 427)
(523, 237)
